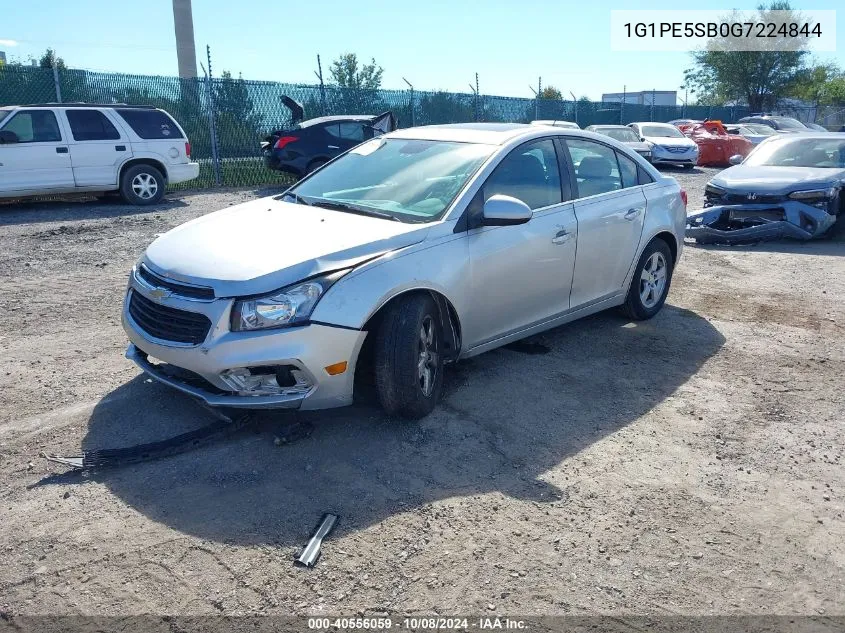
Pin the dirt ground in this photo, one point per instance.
(691, 464)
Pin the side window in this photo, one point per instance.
(643, 176)
(352, 131)
(529, 173)
(91, 125)
(150, 124)
(596, 168)
(34, 126)
(332, 129)
(628, 171)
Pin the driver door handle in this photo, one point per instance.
(561, 237)
(633, 213)
(334, 147)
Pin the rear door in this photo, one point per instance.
(40, 159)
(157, 135)
(610, 207)
(98, 147)
(521, 275)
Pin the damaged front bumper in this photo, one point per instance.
(742, 223)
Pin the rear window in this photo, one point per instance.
(150, 124)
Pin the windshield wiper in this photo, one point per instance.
(297, 198)
(342, 206)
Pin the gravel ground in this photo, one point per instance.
(691, 464)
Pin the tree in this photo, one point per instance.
(346, 73)
(50, 60)
(550, 92)
(834, 92)
(812, 83)
(760, 78)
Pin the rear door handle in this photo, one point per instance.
(120, 148)
(630, 214)
(561, 237)
(61, 150)
(333, 147)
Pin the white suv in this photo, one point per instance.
(67, 148)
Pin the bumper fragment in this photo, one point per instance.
(741, 224)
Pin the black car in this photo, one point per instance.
(305, 146)
(779, 123)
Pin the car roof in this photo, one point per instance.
(486, 133)
(80, 104)
(337, 118)
(609, 125)
(490, 133)
(660, 123)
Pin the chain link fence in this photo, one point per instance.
(227, 118)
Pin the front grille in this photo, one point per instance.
(677, 150)
(166, 323)
(742, 198)
(183, 290)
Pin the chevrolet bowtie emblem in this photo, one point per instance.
(160, 293)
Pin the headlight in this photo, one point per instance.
(813, 194)
(290, 306)
(713, 190)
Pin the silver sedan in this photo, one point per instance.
(411, 251)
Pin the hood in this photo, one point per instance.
(266, 244)
(776, 180)
(669, 141)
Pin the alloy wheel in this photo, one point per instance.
(653, 280)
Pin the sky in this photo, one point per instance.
(434, 44)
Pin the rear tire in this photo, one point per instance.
(142, 185)
(315, 165)
(651, 281)
(408, 357)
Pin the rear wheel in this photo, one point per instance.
(142, 185)
(651, 281)
(408, 358)
(315, 164)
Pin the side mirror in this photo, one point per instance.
(7, 136)
(502, 210)
(736, 159)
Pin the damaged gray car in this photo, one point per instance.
(788, 186)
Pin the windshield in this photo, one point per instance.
(760, 130)
(659, 130)
(622, 134)
(802, 152)
(787, 123)
(411, 180)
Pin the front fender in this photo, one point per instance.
(440, 265)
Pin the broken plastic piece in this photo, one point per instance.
(309, 556)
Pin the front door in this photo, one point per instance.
(521, 275)
(610, 207)
(37, 158)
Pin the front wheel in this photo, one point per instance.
(651, 281)
(688, 166)
(408, 358)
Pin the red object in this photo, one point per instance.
(284, 140)
(715, 145)
(684, 196)
(187, 149)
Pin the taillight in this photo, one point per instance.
(684, 197)
(284, 140)
(187, 149)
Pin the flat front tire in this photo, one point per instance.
(408, 358)
(142, 185)
(651, 281)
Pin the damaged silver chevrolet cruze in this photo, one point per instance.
(409, 252)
